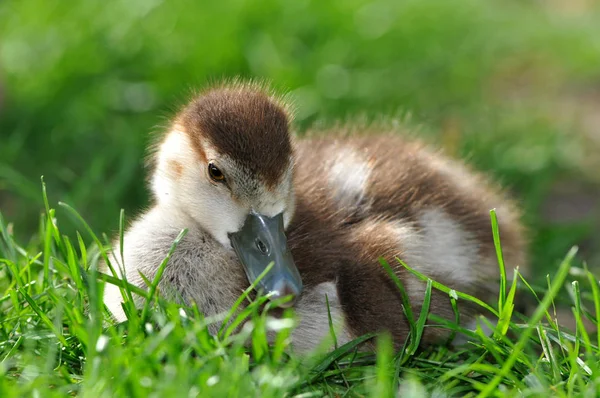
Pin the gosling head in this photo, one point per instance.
(227, 163)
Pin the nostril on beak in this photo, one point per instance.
(262, 247)
(284, 289)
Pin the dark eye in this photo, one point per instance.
(215, 173)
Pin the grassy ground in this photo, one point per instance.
(513, 86)
(56, 340)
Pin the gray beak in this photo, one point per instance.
(262, 241)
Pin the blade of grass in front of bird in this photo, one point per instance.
(507, 310)
(383, 366)
(539, 301)
(577, 312)
(537, 316)
(145, 279)
(588, 346)
(401, 358)
(446, 289)
(330, 321)
(121, 264)
(581, 332)
(14, 299)
(12, 350)
(281, 329)
(95, 320)
(492, 345)
(420, 325)
(73, 314)
(549, 353)
(14, 270)
(123, 288)
(121, 283)
(52, 349)
(336, 354)
(282, 337)
(74, 268)
(481, 368)
(241, 299)
(83, 251)
(51, 220)
(406, 305)
(454, 304)
(549, 285)
(258, 342)
(496, 236)
(122, 235)
(574, 374)
(571, 349)
(244, 314)
(159, 273)
(451, 325)
(47, 249)
(82, 264)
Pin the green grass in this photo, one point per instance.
(509, 85)
(503, 83)
(57, 339)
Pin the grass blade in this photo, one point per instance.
(159, 273)
(558, 281)
(498, 246)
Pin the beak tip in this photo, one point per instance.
(285, 289)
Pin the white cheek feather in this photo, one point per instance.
(210, 205)
(176, 147)
(215, 211)
(189, 190)
(348, 177)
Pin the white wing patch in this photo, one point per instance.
(449, 247)
(348, 177)
(440, 249)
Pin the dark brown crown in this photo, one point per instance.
(245, 123)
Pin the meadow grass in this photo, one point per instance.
(57, 338)
(508, 85)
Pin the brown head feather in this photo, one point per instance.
(245, 123)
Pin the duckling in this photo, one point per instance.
(323, 209)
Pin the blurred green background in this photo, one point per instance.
(513, 86)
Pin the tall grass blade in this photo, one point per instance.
(558, 281)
